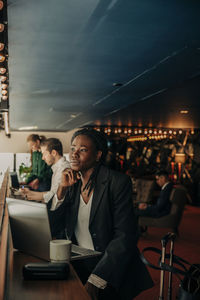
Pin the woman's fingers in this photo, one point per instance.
(71, 176)
(77, 175)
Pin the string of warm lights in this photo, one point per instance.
(4, 79)
(133, 134)
(150, 132)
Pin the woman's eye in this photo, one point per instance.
(83, 150)
(72, 149)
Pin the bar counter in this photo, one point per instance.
(18, 288)
(12, 284)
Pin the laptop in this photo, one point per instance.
(15, 186)
(31, 232)
(14, 180)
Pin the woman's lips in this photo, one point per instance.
(74, 162)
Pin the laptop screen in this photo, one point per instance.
(14, 180)
(29, 227)
(31, 232)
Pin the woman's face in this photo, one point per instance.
(83, 154)
(34, 146)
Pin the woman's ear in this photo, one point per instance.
(99, 154)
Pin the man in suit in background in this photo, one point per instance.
(163, 204)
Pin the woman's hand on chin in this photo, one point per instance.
(69, 177)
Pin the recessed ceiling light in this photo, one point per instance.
(117, 84)
(28, 128)
(184, 111)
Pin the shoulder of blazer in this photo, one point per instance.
(107, 172)
(112, 177)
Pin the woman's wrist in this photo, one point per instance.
(61, 191)
(63, 186)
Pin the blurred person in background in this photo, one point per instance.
(163, 204)
(52, 154)
(40, 176)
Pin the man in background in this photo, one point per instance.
(163, 204)
(52, 154)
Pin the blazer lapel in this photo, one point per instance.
(102, 180)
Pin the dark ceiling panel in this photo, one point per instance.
(163, 110)
(65, 56)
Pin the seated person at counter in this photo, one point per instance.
(40, 176)
(163, 205)
(99, 215)
(52, 154)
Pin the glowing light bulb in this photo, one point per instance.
(2, 70)
(2, 27)
(1, 46)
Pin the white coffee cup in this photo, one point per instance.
(60, 250)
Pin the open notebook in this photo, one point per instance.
(31, 231)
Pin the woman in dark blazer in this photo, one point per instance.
(99, 216)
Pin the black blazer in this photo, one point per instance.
(113, 229)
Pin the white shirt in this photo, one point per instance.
(82, 233)
(84, 238)
(57, 169)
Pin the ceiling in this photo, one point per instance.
(131, 62)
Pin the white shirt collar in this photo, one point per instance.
(165, 185)
(55, 166)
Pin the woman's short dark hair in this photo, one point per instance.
(100, 142)
(97, 137)
(53, 144)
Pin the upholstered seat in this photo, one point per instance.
(144, 189)
(178, 197)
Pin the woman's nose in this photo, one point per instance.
(75, 153)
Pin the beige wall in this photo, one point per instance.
(17, 142)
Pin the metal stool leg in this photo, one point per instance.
(173, 236)
(162, 273)
(164, 241)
